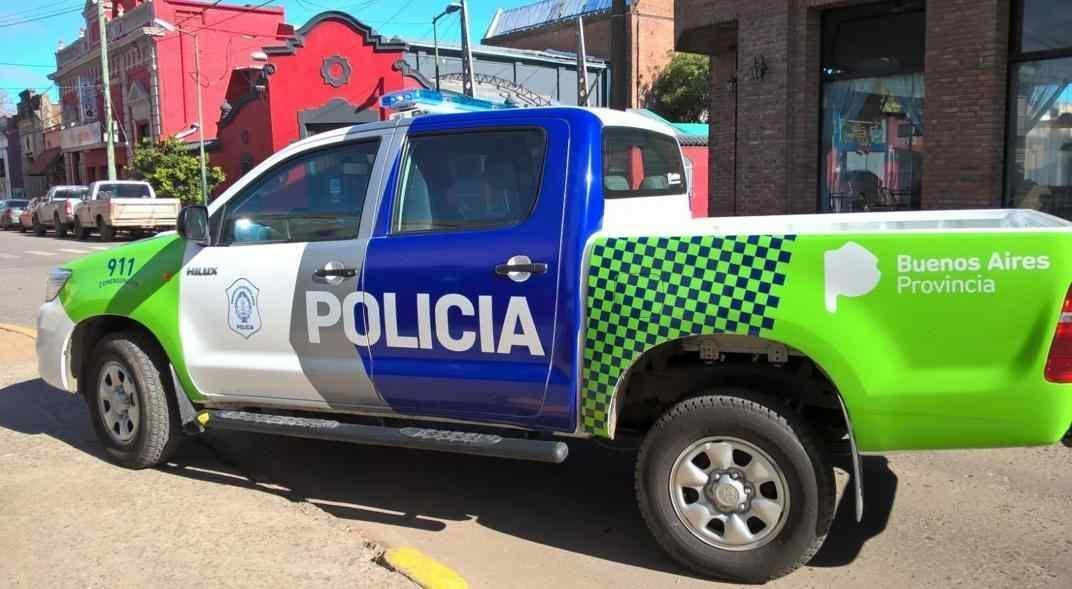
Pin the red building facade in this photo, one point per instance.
(331, 73)
(153, 82)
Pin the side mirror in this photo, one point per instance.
(192, 224)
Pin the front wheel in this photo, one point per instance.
(129, 402)
(734, 485)
(38, 228)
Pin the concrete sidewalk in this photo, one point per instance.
(70, 518)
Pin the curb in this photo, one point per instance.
(423, 570)
(26, 331)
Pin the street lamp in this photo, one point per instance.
(452, 7)
(163, 24)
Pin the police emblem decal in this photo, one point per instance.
(243, 314)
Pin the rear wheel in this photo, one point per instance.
(733, 485)
(129, 402)
(61, 229)
(106, 231)
(80, 232)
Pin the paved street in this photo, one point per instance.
(25, 261)
(235, 508)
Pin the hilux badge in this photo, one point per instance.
(243, 316)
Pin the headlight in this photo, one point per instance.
(56, 279)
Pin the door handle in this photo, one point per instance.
(530, 268)
(335, 273)
(520, 268)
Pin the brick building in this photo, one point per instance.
(36, 116)
(552, 24)
(848, 105)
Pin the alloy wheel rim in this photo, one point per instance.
(729, 493)
(117, 400)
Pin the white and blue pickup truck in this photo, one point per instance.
(501, 283)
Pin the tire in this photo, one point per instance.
(61, 229)
(38, 228)
(150, 436)
(80, 232)
(22, 228)
(752, 425)
(106, 231)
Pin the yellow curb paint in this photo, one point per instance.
(27, 331)
(423, 570)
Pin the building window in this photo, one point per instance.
(871, 152)
(1039, 162)
(143, 132)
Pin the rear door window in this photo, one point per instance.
(638, 162)
(471, 180)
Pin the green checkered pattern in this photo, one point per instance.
(643, 291)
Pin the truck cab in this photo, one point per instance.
(400, 238)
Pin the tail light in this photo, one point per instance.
(70, 207)
(1059, 363)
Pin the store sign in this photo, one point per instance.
(81, 136)
(87, 98)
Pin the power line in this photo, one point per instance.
(27, 65)
(39, 8)
(202, 13)
(237, 14)
(38, 18)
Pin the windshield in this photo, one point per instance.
(637, 162)
(66, 193)
(123, 191)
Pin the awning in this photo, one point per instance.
(40, 166)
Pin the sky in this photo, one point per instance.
(31, 29)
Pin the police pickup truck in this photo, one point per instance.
(502, 283)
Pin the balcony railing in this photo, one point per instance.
(133, 20)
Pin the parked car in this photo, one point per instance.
(26, 217)
(129, 205)
(9, 213)
(57, 209)
(501, 283)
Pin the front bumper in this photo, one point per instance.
(54, 329)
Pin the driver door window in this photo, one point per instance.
(314, 197)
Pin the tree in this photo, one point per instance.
(173, 171)
(682, 92)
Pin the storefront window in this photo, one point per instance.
(872, 108)
(1039, 161)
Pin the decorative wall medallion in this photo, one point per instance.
(336, 71)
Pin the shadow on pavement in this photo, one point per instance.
(586, 505)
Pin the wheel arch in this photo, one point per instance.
(767, 365)
(88, 332)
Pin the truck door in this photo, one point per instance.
(290, 247)
(464, 277)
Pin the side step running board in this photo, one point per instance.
(405, 437)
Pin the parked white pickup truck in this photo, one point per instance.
(129, 205)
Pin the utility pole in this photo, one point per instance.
(582, 66)
(106, 84)
(200, 121)
(467, 54)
